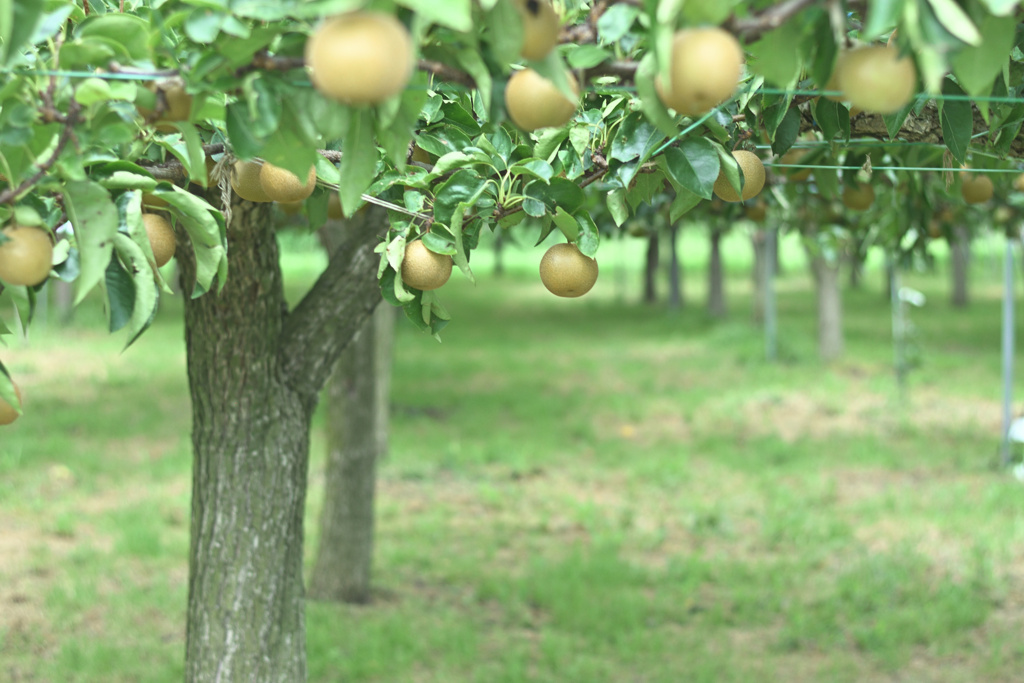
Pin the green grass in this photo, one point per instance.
(588, 490)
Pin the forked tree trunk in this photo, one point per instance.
(651, 259)
(357, 427)
(961, 259)
(830, 306)
(675, 273)
(716, 276)
(255, 371)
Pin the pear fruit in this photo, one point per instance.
(26, 257)
(423, 269)
(567, 272)
(706, 67)
(753, 178)
(533, 101)
(362, 57)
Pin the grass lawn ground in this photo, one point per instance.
(578, 491)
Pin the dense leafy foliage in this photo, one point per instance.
(88, 124)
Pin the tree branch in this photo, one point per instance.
(12, 193)
(751, 28)
(324, 322)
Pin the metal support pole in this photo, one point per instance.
(1008, 343)
(768, 288)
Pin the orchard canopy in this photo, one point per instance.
(477, 115)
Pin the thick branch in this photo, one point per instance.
(324, 322)
(925, 127)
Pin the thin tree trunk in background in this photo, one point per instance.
(759, 240)
(357, 427)
(716, 276)
(960, 253)
(64, 298)
(499, 247)
(675, 273)
(344, 559)
(651, 269)
(830, 306)
(856, 257)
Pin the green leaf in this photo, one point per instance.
(439, 244)
(894, 122)
(206, 229)
(127, 30)
(455, 14)
(616, 21)
(786, 133)
(828, 115)
(460, 257)
(957, 122)
(553, 68)
(635, 138)
(567, 224)
(358, 160)
(589, 238)
(91, 91)
(459, 188)
(730, 168)
(537, 168)
(616, 200)
(882, 15)
(559, 193)
(650, 103)
(684, 201)
(587, 56)
(956, 21)
(774, 55)
(94, 218)
(120, 288)
(977, 66)
(504, 31)
(694, 165)
(145, 293)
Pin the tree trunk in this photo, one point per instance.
(830, 306)
(856, 256)
(759, 240)
(357, 429)
(499, 247)
(961, 257)
(356, 436)
(716, 285)
(651, 269)
(675, 273)
(254, 374)
(64, 300)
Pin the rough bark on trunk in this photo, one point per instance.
(675, 273)
(254, 374)
(651, 269)
(759, 240)
(357, 424)
(716, 284)
(961, 258)
(830, 306)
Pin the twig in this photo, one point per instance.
(10, 194)
(447, 73)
